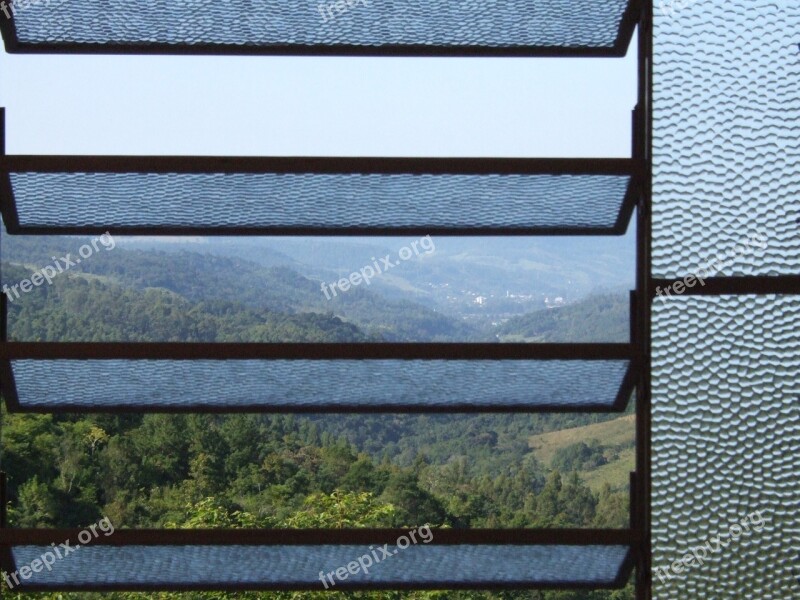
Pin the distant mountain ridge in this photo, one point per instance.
(600, 318)
(204, 278)
(178, 295)
(571, 267)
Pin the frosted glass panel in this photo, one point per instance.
(726, 136)
(305, 385)
(299, 566)
(216, 202)
(257, 23)
(726, 444)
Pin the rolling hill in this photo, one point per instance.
(616, 437)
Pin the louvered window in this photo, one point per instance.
(89, 195)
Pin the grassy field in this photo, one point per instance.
(617, 433)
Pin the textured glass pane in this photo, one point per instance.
(301, 565)
(726, 444)
(315, 384)
(727, 123)
(492, 23)
(317, 200)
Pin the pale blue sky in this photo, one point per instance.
(265, 106)
(318, 106)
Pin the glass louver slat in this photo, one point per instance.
(225, 196)
(443, 27)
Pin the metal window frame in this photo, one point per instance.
(642, 149)
(11, 351)
(648, 291)
(632, 168)
(638, 535)
(297, 537)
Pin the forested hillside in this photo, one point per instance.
(598, 318)
(263, 470)
(85, 308)
(205, 278)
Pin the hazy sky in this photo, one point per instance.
(318, 106)
(322, 107)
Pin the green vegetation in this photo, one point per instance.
(143, 471)
(601, 318)
(281, 471)
(599, 463)
(580, 457)
(202, 279)
(77, 308)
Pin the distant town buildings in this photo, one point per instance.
(499, 305)
(555, 302)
